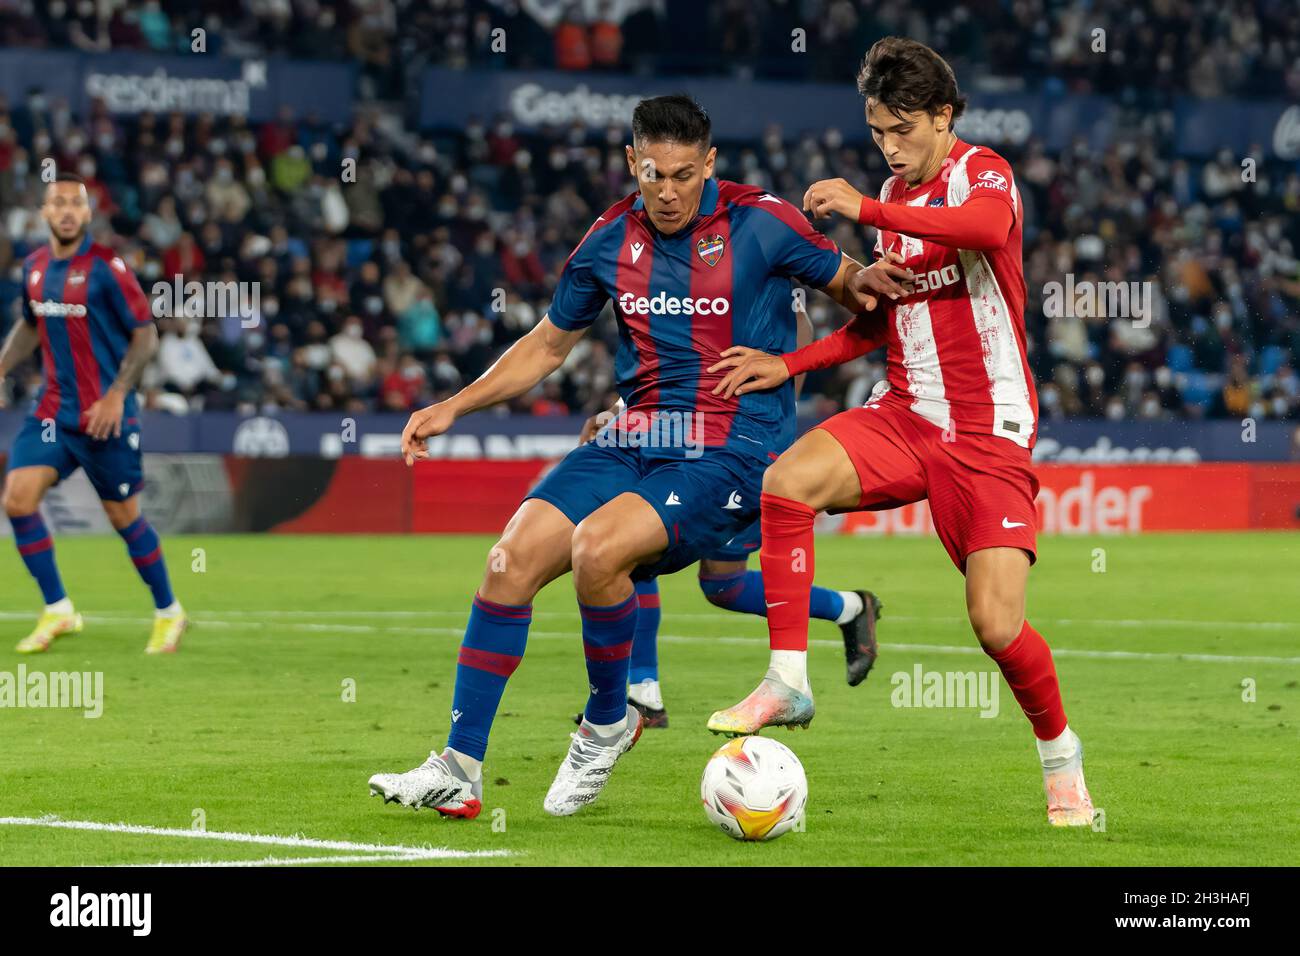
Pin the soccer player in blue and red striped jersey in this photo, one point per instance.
(86, 312)
(727, 582)
(692, 266)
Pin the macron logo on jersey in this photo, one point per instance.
(665, 304)
(637, 249)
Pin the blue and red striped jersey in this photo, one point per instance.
(86, 307)
(724, 279)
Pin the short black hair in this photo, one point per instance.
(676, 118)
(69, 178)
(908, 77)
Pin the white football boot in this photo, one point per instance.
(1068, 802)
(439, 784)
(586, 769)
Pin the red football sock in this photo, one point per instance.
(1027, 665)
(787, 561)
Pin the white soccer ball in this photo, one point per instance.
(754, 788)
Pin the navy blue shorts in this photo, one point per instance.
(703, 502)
(741, 546)
(114, 466)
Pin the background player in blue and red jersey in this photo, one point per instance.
(86, 312)
(693, 266)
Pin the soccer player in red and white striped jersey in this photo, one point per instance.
(954, 421)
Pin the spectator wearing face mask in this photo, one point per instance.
(404, 386)
(227, 198)
(353, 353)
(162, 228)
(520, 263)
(402, 288)
(183, 362)
(420, 327)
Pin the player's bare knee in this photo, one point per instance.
(788, 479)
(995, 624)
(512, 575)
(20, 501)
(120, 514)
(593, 555)
(600, 559)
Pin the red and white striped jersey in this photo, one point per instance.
(956, 349)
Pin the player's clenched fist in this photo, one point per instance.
(752, 370)
(832, 195)
(427, 422)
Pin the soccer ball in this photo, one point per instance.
(754, 788)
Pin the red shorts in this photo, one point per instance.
(981, 487)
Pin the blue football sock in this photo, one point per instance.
(37, 550)
(607, 634)
(145, 548)
(825, 604)
(644, 663)
(743, 591)
(493, 646)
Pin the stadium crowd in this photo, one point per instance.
(389, 291)
(1153, 50)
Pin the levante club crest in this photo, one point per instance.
(711, 249)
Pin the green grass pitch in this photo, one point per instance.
(248, 730)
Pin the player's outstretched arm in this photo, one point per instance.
(104, 417)
(19, 344)
(865, 332)
(524, 364)
(753, 370)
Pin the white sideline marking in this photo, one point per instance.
(312, 627)
(371, 851)
(730, 616)
(288, 861)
